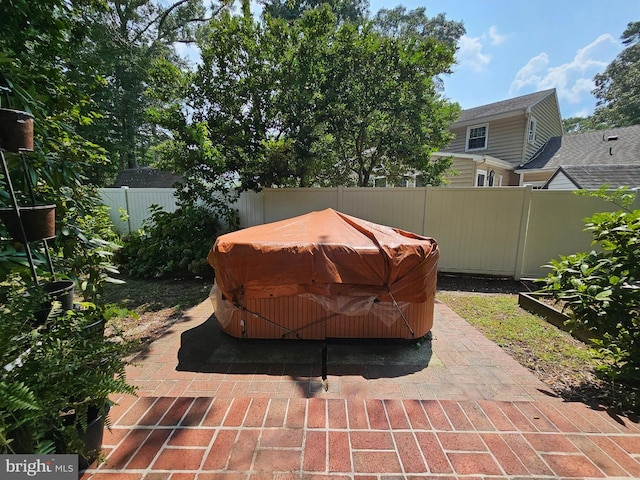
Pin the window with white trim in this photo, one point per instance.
(481, 178)
(477, 136)
(380, 182)
(532, 129)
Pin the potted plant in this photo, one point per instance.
(57, 379)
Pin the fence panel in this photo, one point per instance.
(556, 227)
(511, 231)
(397, 207)
(250, 206)
(136, 202)
(281, 203)
(477, 230)
(115, 199)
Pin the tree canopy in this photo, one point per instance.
(344, 10)
(317, 102)
(125, 41)
(618, 87)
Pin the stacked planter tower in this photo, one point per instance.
(28, 223)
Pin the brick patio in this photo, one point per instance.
(472, 413)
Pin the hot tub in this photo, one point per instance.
(324, 275)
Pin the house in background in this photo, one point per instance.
(521, 142)
(492, 140)
(146, 177)
(588, 160)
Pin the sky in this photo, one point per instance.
(516, 47)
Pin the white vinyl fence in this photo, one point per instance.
(129, 207)
(510, 231)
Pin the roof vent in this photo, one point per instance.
(612, 137)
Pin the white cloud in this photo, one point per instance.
(495, 37)
(573, 80)
(470, 53)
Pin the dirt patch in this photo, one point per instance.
(484, 284)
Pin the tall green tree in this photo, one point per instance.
(383, 106)
(618, 87)
(344, 10)
(313, 102)
(125, 41)
(398, 22)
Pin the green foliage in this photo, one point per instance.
(171, 243)
(618, 87)
(398, 22)
(126, 42)
(40, 75)
(54, 374)
(582, 125)
(344, 10)
(310, 102)
(602, 288)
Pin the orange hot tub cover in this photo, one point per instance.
(329, 257)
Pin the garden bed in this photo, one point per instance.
(541, 304)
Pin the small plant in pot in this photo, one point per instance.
(60, 377)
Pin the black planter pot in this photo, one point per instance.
(61, 291)
(39, 222)
(92, 437)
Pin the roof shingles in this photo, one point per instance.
(518, 104)
(613, 147)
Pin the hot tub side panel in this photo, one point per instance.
(297, 317)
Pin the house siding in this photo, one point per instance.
(466, 173)
(536, 177)
(506, 175)
(468, 168)
(561, 182)
(506, 137)
(549, 125)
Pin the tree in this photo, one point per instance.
(398, 23)
(382, 105)
(582, 124)
(618, 87)
(127, 38)
(344, 10)
(311, 102)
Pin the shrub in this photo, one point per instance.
(602, 289)
(170, 243)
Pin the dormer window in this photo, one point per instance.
(477, 136)
(532, 129)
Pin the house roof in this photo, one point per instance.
(612, 147)
(594, 176)
(146, 177)
(509, 107)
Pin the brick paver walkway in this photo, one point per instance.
(472, 413)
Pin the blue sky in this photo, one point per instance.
(515, 47)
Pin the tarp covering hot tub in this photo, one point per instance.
(324, 275)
